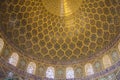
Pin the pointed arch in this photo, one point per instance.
(31, 68)
(10, 74)
(114, 56)
(50, 73)
(69, 73)
(13, 60)
(89, 69)
(1, 44)
(106, 61)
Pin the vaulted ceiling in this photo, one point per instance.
(60, 30)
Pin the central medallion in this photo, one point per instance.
(62, 7)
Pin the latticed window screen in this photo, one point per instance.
(50, 73)
(106, 61)
(89, 69)
(69, 73)
(31, 68)
(13, 60)
(119, 47)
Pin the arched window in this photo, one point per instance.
(106, 61)
(69, 73)
(119, 47)
(50, 73)
(10, 74)
(31, 68)
(115, 56)
(89, 69)
(14, 59)
(1, 44)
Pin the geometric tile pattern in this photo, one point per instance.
(44, 35)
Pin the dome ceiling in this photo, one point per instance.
(62, 7)
(60, 30)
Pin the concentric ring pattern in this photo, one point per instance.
(62, 7)
(66, 35)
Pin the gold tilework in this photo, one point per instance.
(85, 31)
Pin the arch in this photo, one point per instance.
(13, 60)
(89, 69)
(1, 44)
(114, 56)
(78, 72)
(31, 68)
(10, 74)
(69, 73)
(97, 66)
(50, 73)
(106, 61)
